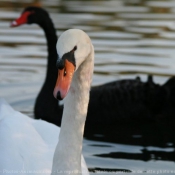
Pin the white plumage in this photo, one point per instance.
(26, 145)
(30, 146)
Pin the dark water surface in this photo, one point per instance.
(131, 38)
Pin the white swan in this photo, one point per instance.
(27, 144)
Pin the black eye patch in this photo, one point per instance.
(69, 56)
(60, 63)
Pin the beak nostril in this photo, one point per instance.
(65, 72)
(59, 96)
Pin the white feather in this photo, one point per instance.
(28, 145)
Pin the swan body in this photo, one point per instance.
(114, 102)
(27, 143)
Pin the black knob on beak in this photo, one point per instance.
(59, 96)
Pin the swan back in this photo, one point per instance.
(26, 144)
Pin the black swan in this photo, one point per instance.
(114, 102)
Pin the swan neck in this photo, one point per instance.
(51, 75)
(68, 152)
(51, 71)
(51, 38)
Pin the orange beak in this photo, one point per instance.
(64, 80)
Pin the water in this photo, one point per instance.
(131, 38)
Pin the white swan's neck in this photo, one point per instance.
(67, 157)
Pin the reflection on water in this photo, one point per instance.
(131, 38)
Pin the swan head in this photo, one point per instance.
(30, 15)
(73, 47)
